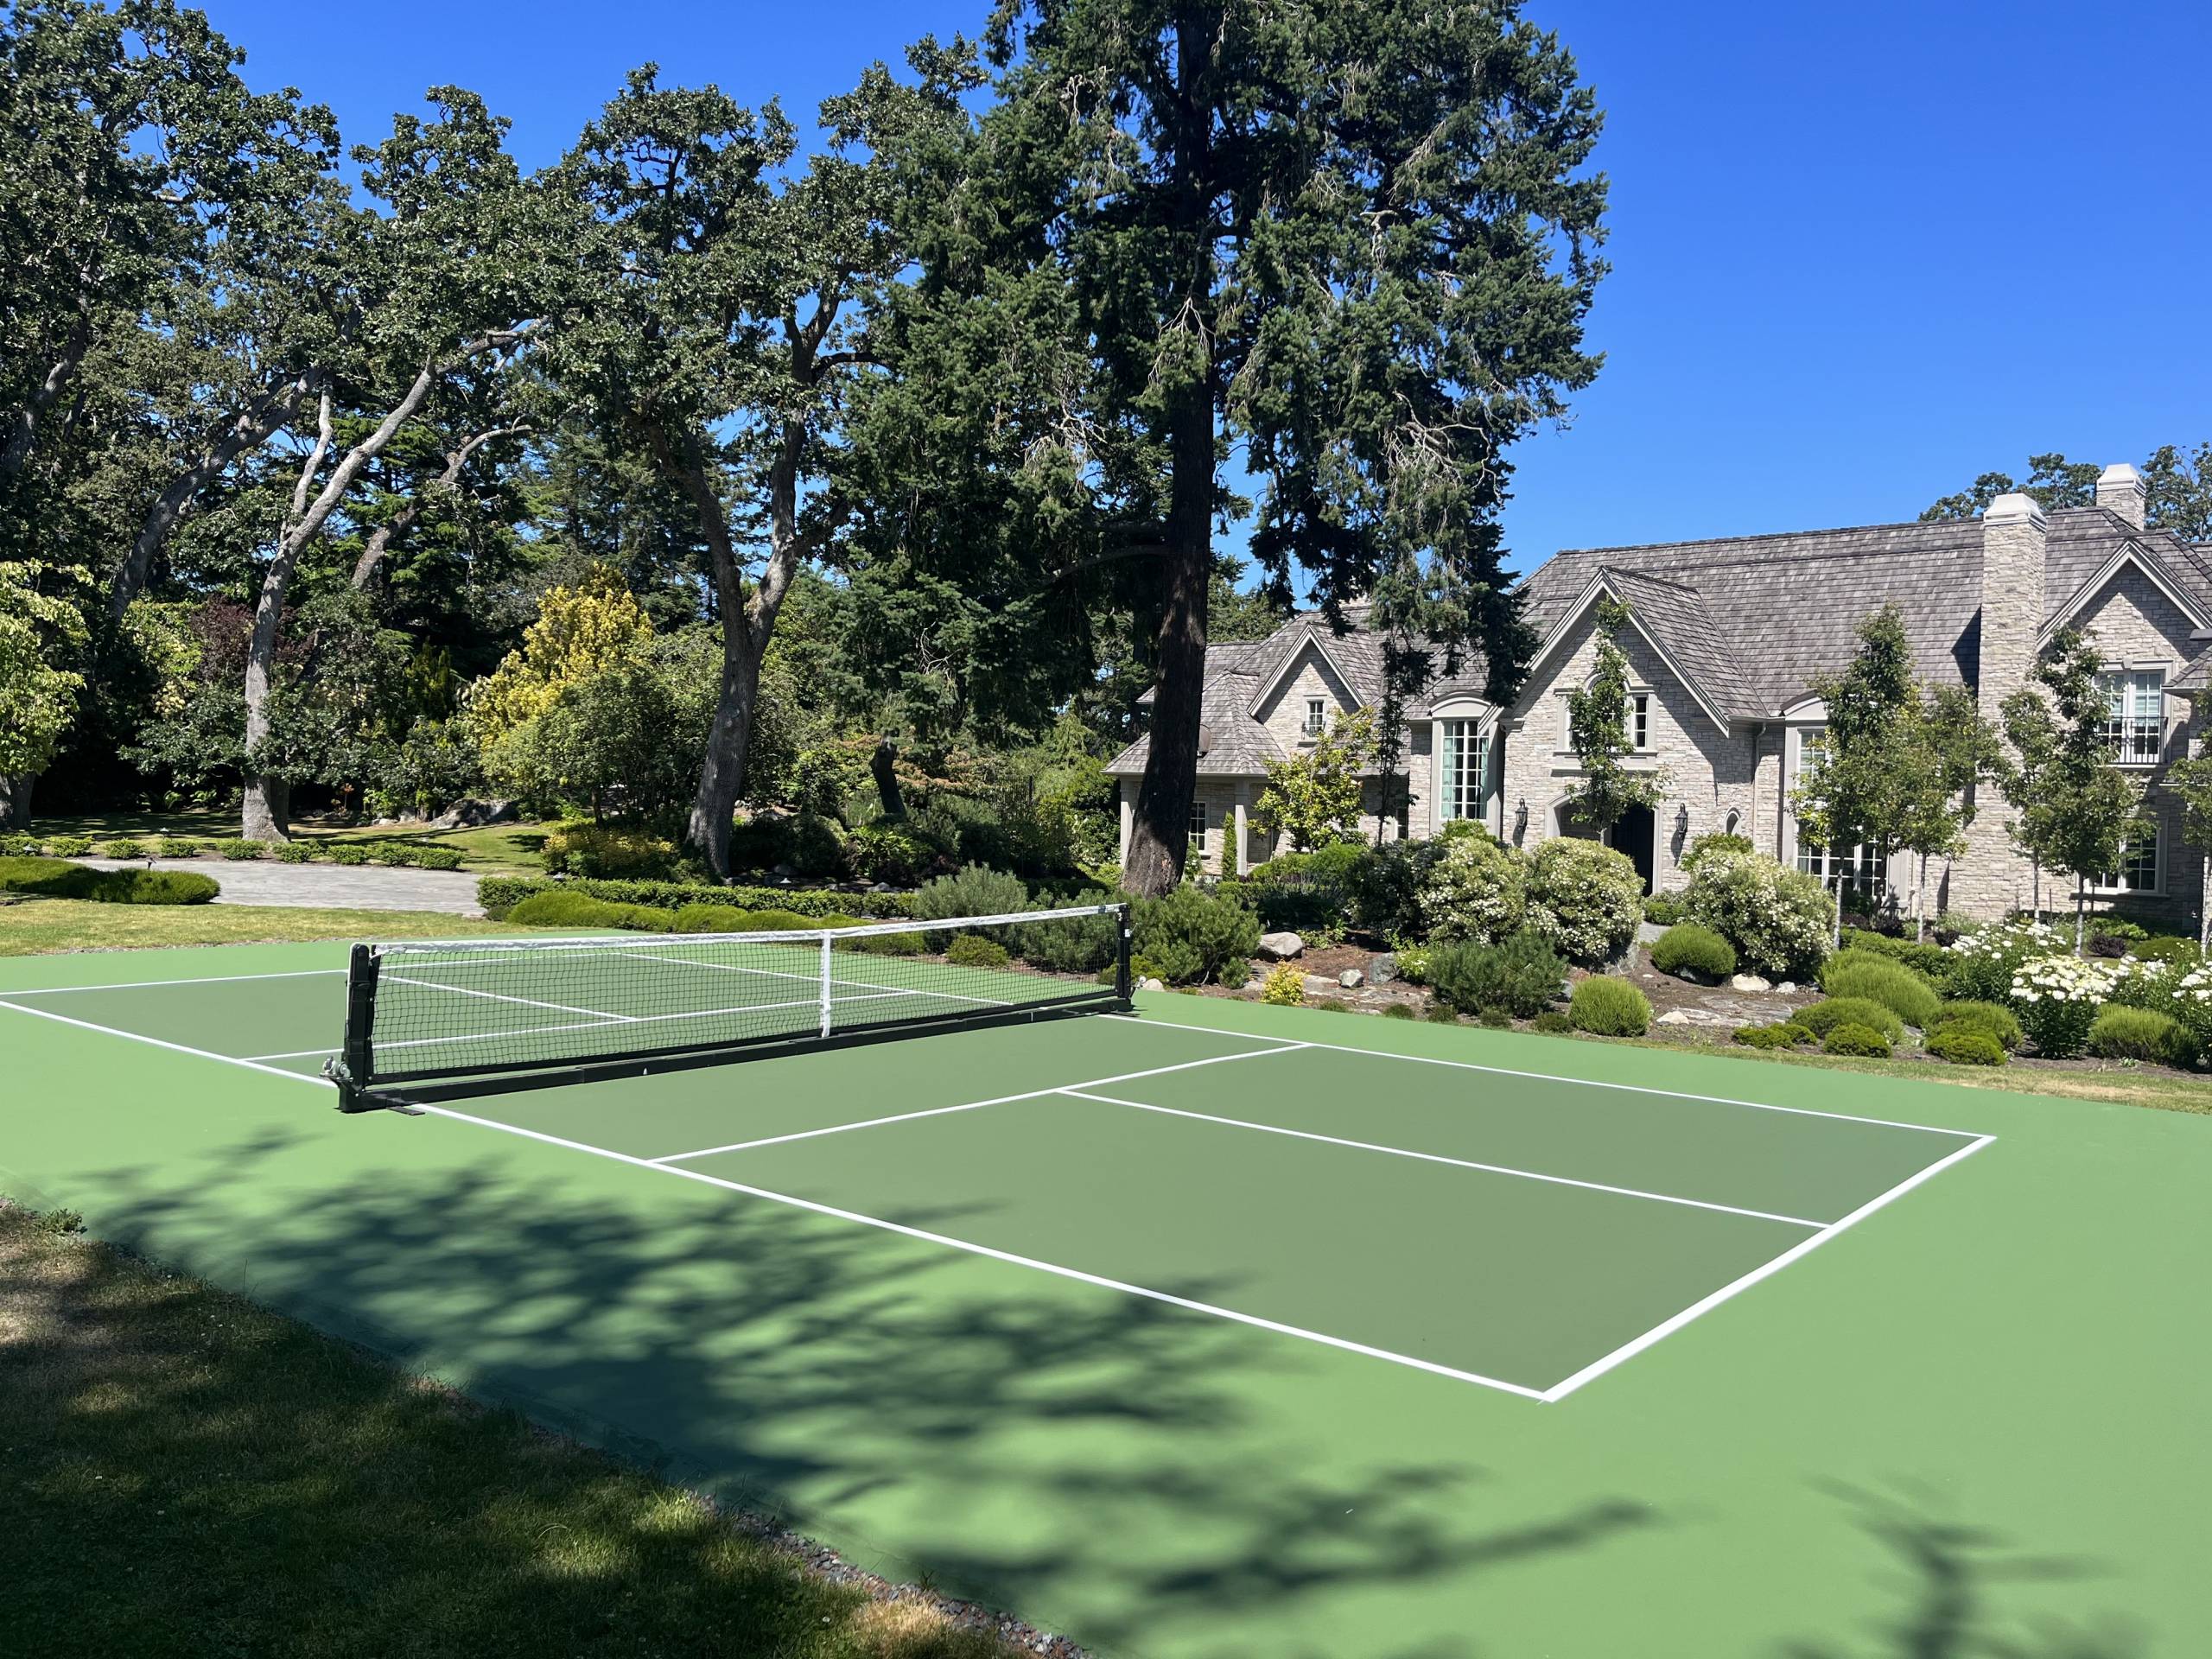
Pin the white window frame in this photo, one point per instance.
(1463, 764)
(2135, 713)
(1317, 716)
(1635, 721)
(1198, 825)
(1867, 865)
(2122, 882)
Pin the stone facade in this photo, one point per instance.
(1725, 642)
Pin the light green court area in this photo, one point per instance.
(1230, 1330)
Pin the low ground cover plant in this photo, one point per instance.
(2124, 1033)
(1994, 1019)
(1284, 987)
(1610, 1007)
(1822, 1017)
(1196, 937)
(1853, 1038)
(53, 878)
(974, 950)
(1783, 1034)
(1686, 950)
(1965, 1046)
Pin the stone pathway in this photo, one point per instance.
(324, 886)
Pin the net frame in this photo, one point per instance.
(365, 1085)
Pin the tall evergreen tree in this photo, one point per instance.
(1355, 236)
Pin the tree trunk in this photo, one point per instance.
(1159, 827)
(268, 799)
(883, 765)
(16, 800)
(721, 779)
(2080, 915)
(1920, 904)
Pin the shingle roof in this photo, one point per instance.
(1752, 619)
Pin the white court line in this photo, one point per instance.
(1082, 1093)
(1552, 1395)
(582, 1025)
(1629, 1350)
(1007, 1256)
(500, 996)
(966, 1106)
(205, 979)
(1550, 1077)
(158, 1042)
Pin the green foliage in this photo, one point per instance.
(1686, 949)
(498, 894)
(1585, 898)
(1520, 975)
(882, 944)
(1664, 909)
(1963, 1044)
(1552, 1022)
(1822, 1017)
(1609, 1008)
(177, 846)
(1493, 1019)
(236, 849)
(2076, 807)
(1072, 944)
(1285, 986)
(69, 846)
(1475, 888)
(1994, 1019)
(396, 855)
(1413, 963)
(346, 852)
(1778, 918)
(1312, 893)
(1715, 841)
(1313, 797)
(1597, 726)
(53, 879)
(1878, 979)
(892, 853)
(566, 909)
(1782, 1035)
(295, 852)
(2125, 1033)
(123, 849)
(973, 951)
(42, 634)
(1863, 1041)
(1932, 961)
(975, 891)
(1850, 789)
(598, 850)
(1404, 1011)
(1197, 936)
(1442, 1013)
(2162, 950)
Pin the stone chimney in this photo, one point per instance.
(2013, 537)
(2119, 489)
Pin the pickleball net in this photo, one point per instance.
(428, 1020)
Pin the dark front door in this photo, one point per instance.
(1636, 834)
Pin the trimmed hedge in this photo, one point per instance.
(499, 894)
(1822, 1017)
(2124, 1033)
(1610, 1007)
(1783, 1034)
(52, 878)
(1700, 949)
(1965, 1046)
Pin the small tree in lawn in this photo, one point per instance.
(2083, 805)
(2031, 731)
(1948, 745)
(1314, 798)
(2192, 782)
(1597, 727)
(1852, 793)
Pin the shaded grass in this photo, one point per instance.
(490, 849)
(184, 1472)
(37, 926)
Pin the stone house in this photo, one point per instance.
(1724, 640)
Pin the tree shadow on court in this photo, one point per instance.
(1954, 1583)
(1056, 1449)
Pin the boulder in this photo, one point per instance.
(1749, 983)
(1787, 987)
(1384, 968)
(468, 814)
(1151, 985)
(1351, 979)
(1281, 947)
(1674, 1017)
(1317, 985)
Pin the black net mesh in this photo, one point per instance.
(488, 1006)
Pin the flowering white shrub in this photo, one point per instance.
(1476, 889)
(2058, 997)
(1989, 957)
(1777, 918)
(1585, 898)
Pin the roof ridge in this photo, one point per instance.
(1769, 536)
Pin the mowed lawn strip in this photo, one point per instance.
(184, 1472)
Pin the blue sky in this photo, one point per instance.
(1861, 253)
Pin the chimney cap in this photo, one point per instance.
(2015, 508)
(2119, 472)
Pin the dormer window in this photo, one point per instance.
(1317, 716)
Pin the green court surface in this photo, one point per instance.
(1229, 1329)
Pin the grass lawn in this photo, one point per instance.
(34, 927)
(184, 1472)
(492, 850)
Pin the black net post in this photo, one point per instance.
(1123, 988)
(358, 1057)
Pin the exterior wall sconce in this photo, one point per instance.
(1521, 819)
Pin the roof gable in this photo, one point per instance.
(1685, 625)
(2129, 553)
